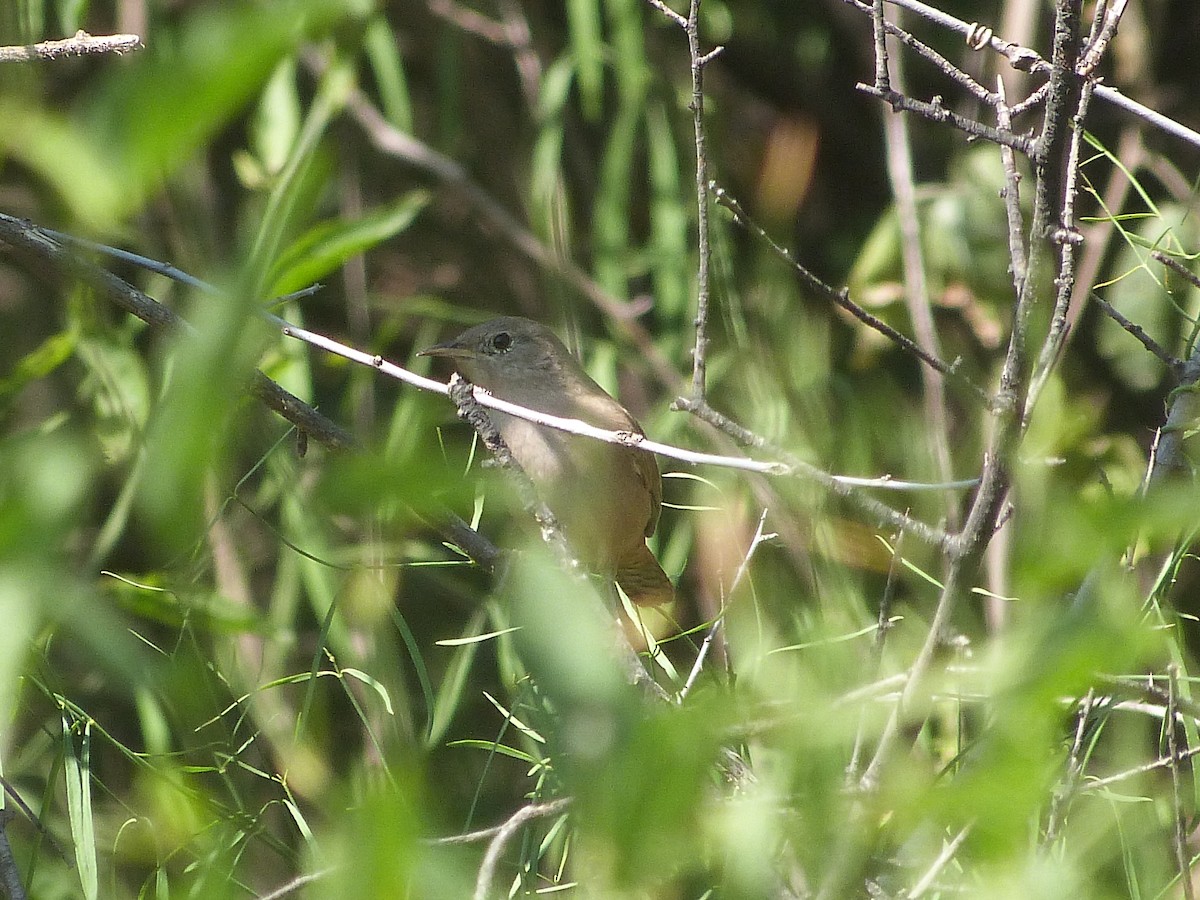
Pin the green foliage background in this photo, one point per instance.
(225, 664)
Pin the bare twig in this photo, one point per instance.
(1177, 267)
(40, 249)
(967, 550)
(1172, 362)
(1101, 35)
(868, 506)
(840, 297)
(80, 44)
(517, 821)
(1164, 762)
(697, 61)
(1069, 237)
(529, 65)
(10, 876)
(935, 111)
(883, 624)
(711, 634)
(512, 32)
(1180, 835)
(916, 284)
(470, 21)
(290, 887)
(788, 465)
(678, 18)
(390, 141)
(943, 859)
(878, 31)
(1026, 60)
(921, 49)
(1074, 770)
(1012, 198)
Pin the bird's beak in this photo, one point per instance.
(449, 350)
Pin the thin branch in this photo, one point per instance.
(966, 551)
(517, 821)
(948, 68)
(697, 61)
(10, 876)
(1012, 198)
(511, 32)
(1180, 835)
(935, 111)
(868, 506)
(1098, 44)
(80, 44)
(1069, 237)
(1177, 267)
(290, 887)
(392, 142)
(520, 38)
(32, 240)
(841, 297)
(943, 859)
(1099, 784)
(788, 466)
(470, 21)
(678, 18)
(1074, 771)
(462, 393)
(878, 26)
(883, 624)
(1172, 362)
(32, 817)
(711, 634)
(33, 244)
(1037, 98)
(1026, 60)
(898, 151)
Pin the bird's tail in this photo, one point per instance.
(643, 580)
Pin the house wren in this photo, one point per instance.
(605, 496)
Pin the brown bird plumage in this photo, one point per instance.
(605, 496)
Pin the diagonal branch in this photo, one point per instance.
(79, 44)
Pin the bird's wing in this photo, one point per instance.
(601, 410)
(647, 471)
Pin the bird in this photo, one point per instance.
(606, 497)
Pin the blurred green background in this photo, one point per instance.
(226, 664)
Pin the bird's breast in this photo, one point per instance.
(596, 490)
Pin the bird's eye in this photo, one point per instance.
(502, 341)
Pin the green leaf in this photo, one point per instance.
(327, 246)
(171, 99)
(387, 66)
(450, 691)
(276, 124)
(79, 807)
(39, 362)
(118, 387)
(670, 239)
(587, 48)
(493, 747)
(62, 156)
